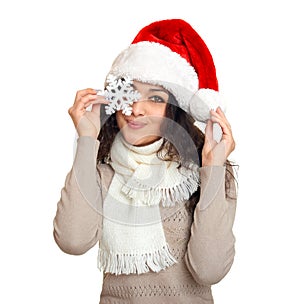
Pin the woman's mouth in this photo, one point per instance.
(135, 124)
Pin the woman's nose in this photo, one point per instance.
(138, 108)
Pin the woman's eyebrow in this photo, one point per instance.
(159, 90)
(153, 89)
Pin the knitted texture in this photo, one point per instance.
(199, 234)
(133, 239)
(175, 285)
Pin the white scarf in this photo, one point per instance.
(133, 239)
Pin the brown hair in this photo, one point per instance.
(185, 146)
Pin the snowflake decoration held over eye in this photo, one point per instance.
(121, 95)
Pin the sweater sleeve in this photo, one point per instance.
(210, 252)
(77, 223)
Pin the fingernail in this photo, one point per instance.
(98, 92)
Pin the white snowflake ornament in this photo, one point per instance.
(121, 95)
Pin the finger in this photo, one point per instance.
(84, 102)
(96, 108)
(220, 111)
(209, 142)
(226, 130)
(98, 100)
(221, 114)
(84, 92)
(209, 130)
(89, 99)
(102, 99)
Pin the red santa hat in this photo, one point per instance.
(171, 53)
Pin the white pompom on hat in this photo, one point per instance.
(171, 53)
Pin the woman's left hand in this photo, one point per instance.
(216, 153)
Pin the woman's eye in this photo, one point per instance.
(157, 99)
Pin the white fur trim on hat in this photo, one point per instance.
(202, 102)
(154, 63)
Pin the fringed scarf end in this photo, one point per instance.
(167, 196)
(124, 263)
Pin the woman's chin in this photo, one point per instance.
(135, 140)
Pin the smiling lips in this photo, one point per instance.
(133, 124)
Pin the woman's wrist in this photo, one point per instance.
(213, 162)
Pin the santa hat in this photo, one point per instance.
(171, 53)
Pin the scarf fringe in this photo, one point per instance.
(123, 263)
(167, 196)
(144, 180)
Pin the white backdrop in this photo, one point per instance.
(51, 49)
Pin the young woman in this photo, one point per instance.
(154, 191)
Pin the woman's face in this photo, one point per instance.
(142, 127)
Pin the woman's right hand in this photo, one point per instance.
(87, 123)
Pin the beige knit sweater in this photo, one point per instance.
(202, 241)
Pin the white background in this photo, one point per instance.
(51, 49)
